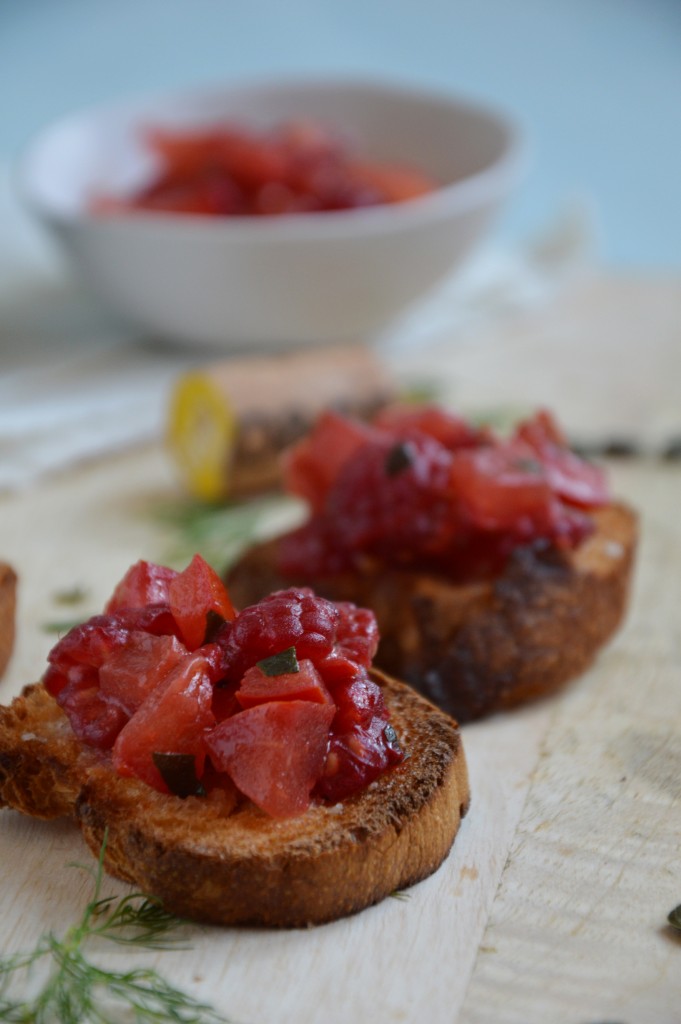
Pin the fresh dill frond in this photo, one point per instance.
(60, 626)
(399, 894)
(219, 533)
(77, 991)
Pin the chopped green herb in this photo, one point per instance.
(280, 664)
(400, 895)
(399, 458)
(214, 623)
(219, 532)
(72, 595)
(178, 771)
(60, 625)
(77, 990)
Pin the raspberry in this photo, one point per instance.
(287, 618)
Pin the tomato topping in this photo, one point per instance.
(144, 583)
(305, 684)
(196, 595)
(311, 465)
(230, 171)
(134, 671)
(274, 752)
(269, 692)
(172, 719)
(421, 488)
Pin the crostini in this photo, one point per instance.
(496, 567)
(8, 586)
(245, 768)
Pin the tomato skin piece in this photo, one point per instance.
(173, 719)
(306, 684)
(132, 673)
(573, 479)
(311, 465)
(144, 583)
(194, 593)
(274, 752)
(403, 420)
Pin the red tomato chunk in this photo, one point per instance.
(273, 703)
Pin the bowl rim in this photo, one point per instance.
(480, 188)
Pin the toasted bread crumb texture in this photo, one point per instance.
(244, 867)
(8, 586)
(478, 648)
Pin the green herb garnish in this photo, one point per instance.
(77, 991)
(280, 664)
(674, 918)
(178, 771)
(399, 458)
(398, 894)
(60, 626)
(214, 623)
(220, 532)
(71, 595)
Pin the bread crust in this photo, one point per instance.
(246, 868)
(8, 586)
(479, 648)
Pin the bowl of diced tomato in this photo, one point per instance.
(273, 213)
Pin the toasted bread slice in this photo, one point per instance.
(244, 867)
(478, 648)
(8, 586)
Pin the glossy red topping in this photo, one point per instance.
(189, 695)
(421, 488)
(295, 168)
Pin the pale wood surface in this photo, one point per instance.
(552, 905)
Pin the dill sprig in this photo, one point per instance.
(221, 532)
(77, 991)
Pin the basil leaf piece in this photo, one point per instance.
(178, 771)
(280, 664)
(214, 623)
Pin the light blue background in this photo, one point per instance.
(597, 82)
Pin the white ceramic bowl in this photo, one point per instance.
(307, 278)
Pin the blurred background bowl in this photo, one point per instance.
(302, 278)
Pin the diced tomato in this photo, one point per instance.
(573, 479)
(274, 752)
(306, 684)
(311, 466)
(194, 594)
(403, 419)
(225, 703)
(144, 583)
(133, 672)
(504, 488)
(173, 719)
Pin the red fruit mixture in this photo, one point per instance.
(294, 168)
(189, 695)
(420, 488)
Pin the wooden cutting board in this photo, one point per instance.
(551, 908)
